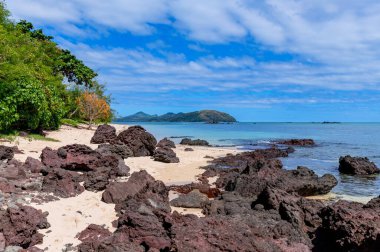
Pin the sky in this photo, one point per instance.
(268, 60)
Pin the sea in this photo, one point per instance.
(333, 140)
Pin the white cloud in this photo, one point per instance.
(340, 39)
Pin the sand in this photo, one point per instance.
(70, 216)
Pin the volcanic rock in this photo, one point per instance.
(193, 199)
(33, 165)
(198, 142)
(297, 142)
(6, 153)
(61, 183)
(166, 143)
(122, 151)
(104, 134)
(165, 155)
(141, 142)
(19, 226)
(202, 187)
(188, 149)
(349, 226)
(357, 166)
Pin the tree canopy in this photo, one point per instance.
(33, 72)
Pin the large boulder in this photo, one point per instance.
(104, 134)
(198, 142)
(194, 199)
(123, 151)
(357, 166)
(19, 226)
(349, 226)
(166, 143)
(6, 153)
(141, 142)
(141, 187)
(61, 183)
(165, 155)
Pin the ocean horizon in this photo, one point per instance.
(333, 141)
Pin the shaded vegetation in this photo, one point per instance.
(33, 72)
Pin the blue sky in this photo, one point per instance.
(269, 60)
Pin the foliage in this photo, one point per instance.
(93, 108)
(38, 137)
(33, 69)
(70, 122)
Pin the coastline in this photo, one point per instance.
(70, 216)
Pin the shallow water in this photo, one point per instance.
(333, 140)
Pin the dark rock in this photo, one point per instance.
(198, 142)
(193, 199)
(141, 142)
(166, 143)
(349, 226)
(93, 233)
(357, 166)
(104, 134)
(203, 188)
(6, 153)
(165, 155)
(19, 226)
(188, 149)
(61, 183)
(33, 165)
(302, 181)
(297, 142)
(140, 186)
(122, 151)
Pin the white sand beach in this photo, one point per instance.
(70, 216)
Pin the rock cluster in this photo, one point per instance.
(297, 142)
(19, 226)
(135, 140)
(6, 153)
(357, 166)
(199, 142)
(164, 153)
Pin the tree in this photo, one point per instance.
(93, 109)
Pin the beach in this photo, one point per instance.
(69, 216)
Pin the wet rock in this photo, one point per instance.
(6, 153)
(165, 155)
(194, 199)
(188, 149)
(297, 142)
(122, 151)
(357, 166)
(141, 142)
(349, 226)
(197, 142)
(19, 226)
(166, 143)
(104, 134)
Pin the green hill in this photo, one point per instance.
(208, 116)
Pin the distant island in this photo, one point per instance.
(207, 116)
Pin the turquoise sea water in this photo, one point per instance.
(333, 141)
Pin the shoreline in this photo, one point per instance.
(69, 216)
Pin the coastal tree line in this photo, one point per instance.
(43, 85)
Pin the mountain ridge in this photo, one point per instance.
(208, 116)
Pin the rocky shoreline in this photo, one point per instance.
(254, 204)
